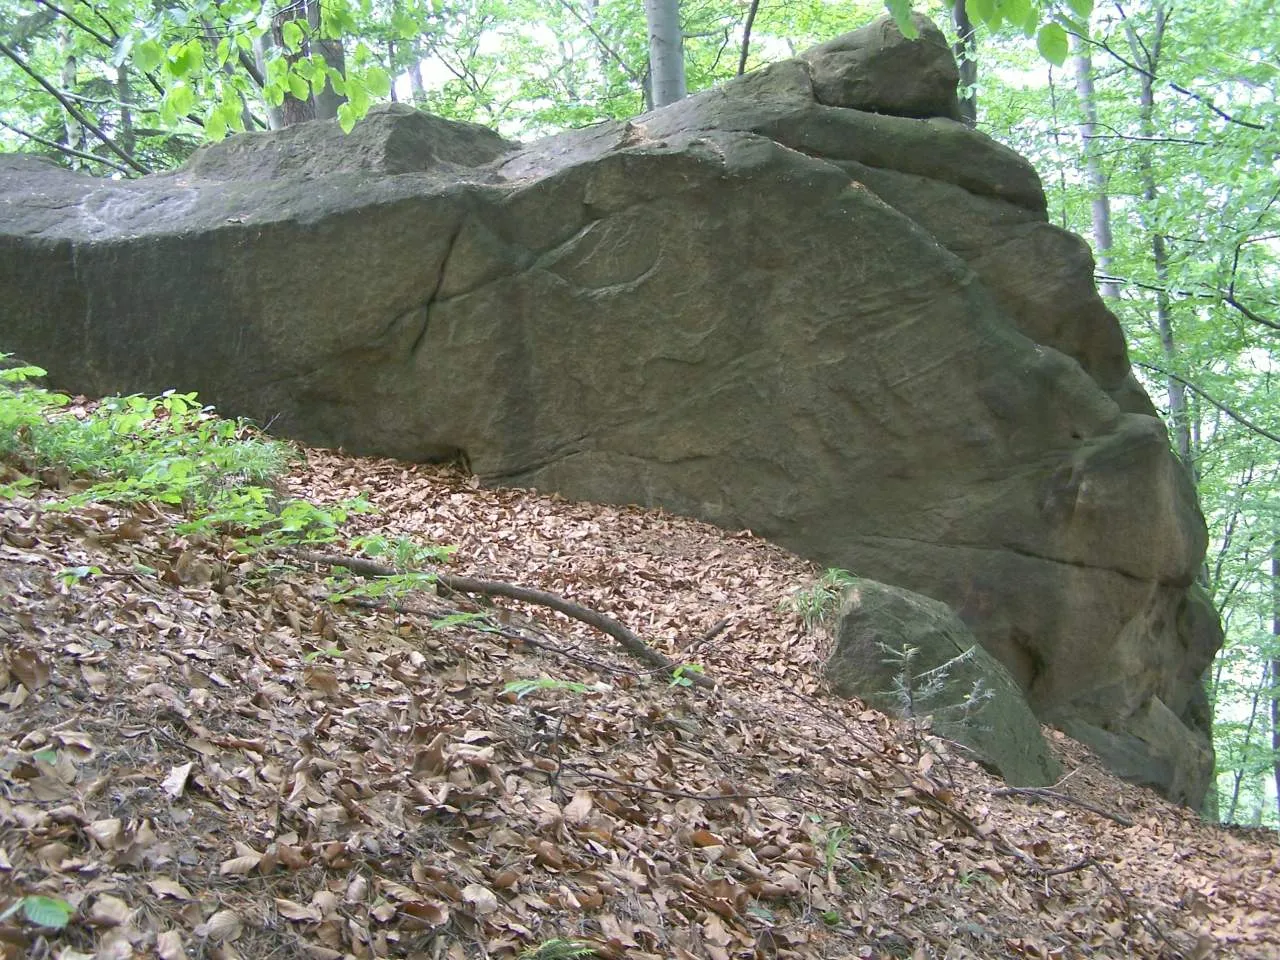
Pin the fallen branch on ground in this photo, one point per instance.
(1043, 793)
(497, 588)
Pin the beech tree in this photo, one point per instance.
(666, 51)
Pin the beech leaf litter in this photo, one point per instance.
(204, 755)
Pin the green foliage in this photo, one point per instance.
(683, 675)
(834, 840)
(522, 688)
(405, 555)
(918, 693)
(816, 603)
(558, 949)
(168, 450)
(342, 586)
(71, 575)
(460, 620)
(53, 913)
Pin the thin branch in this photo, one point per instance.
(497, 588)
(63, 148)
(108, 42)
(1233, 414)
(604, 44)
(1199, 97)
(66, 14)
(1231, 301)
(72, 109)
(1228, 297)
(1043, 793)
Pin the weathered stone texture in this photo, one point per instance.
(768, 306)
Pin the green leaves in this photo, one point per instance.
(1051, 41)
(292, 36)
(147, 55)
(53, 913)
(900, 10)
(184, 59)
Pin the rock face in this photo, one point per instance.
(910, 656)
(767, 305)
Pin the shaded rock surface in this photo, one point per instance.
(851, 331)
(912, 657)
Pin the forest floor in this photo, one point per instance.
(202, 756)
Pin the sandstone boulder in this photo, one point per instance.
(767, 305)
(912, 657)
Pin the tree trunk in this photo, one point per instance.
(966, 51)
(1242, 769)
(293, 110)
(1101, 199)
(416, 86)
(275, 114)
(326, 100)
(73, 131)
(1148, 56)
(127, 138)
(666, 51)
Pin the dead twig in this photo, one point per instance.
(498, 588)
(1044, 793)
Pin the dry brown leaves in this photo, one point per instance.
(207, 759)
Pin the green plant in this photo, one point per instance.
(167, 449)
(522, 688)
(816, 603)
(558, 949)
(403, 552)
(835, 840)
(405, 555)
(918, 692)
(923, 697)
(51, 912)
(682, 676)
(315, 655)
(72, 575)
(478, 620)
(344, 587)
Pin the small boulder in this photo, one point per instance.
(879, 70)
(890, 640)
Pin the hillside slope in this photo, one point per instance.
(207, 758)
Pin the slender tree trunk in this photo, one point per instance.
(127, 137)
(966, 52)
(1239, 774)
(416, 86)
(746, 35)
(73, 132)
(666, 51)
(1148, 57)
(391, 69)
(1101, 199)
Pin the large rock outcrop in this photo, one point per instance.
(768, 305)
